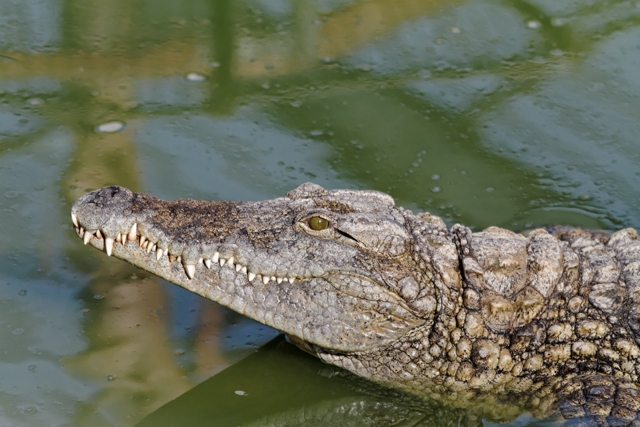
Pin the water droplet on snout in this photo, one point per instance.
(17, 331)
(436, 189)
(435, 177)
(22, 292)
(110, 127)
(110, 378)
(316, 132)
(241, 393)
(29, 410)
(98, 297)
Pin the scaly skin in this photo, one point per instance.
(493, 321)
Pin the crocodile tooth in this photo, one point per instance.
(238, 267)
(291, 280)
(74, 219)
(150, 246)
(190, 269)
(251, 276)
(98, 234)
(81, 232)
(280, 279)
(215, 257)
(273, 278)
(179, 259)
(142, 241)
(108, 245)
(222, 261)
(119, 238)
(200, 260)
(159, 254)
(207, 262)
(133, 232)
(230, 262)
(144, 245)
(244, 270)
(87, 237)
(265, 279)
(123, 238)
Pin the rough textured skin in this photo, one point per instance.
(496, 321)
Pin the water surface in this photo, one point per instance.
(510, 113)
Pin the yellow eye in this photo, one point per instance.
(318, 223)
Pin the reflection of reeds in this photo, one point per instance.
(129, 352)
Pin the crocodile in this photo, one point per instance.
(545, 322)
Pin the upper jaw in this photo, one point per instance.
(185, 232)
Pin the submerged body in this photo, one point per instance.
(492, 321)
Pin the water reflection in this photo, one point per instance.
(517, 113)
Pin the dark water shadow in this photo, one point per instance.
(280, 385)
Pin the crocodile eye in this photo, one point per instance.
(317, 223)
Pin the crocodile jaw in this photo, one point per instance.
(254, 258)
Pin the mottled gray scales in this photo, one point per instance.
(494, 322)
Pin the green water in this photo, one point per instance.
(508, 113)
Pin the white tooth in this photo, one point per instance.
(222, 261)
(200, 260)
(238, 267)
(119, 238)
(244, 270)
(124, 238)
(265, 279)
(144, 245)
(108, 245)
(291, 280)
(80, 231)
(179, 259)
(150, 246)
(133, 231)
(230, 262)
(252, 276)
(87, 237)
(159, 253)
(142, 240)
(190, 269)
(74, 219)
(280, 279)
(215, 257)
(207, 262)
(98, 234)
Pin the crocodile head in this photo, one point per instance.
(338, 271)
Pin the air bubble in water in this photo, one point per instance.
(195, 77)
(110, 127)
